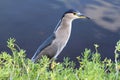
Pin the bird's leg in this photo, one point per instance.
(53, 63)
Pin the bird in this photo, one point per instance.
(54, 44)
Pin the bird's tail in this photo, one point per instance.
(33, 59)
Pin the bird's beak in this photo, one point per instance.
(83, 17)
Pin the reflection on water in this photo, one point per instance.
(31, 22)
(100, 10)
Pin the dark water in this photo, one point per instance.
(30, 22)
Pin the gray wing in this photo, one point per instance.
(43, 46)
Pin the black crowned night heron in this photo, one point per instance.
(58, 40)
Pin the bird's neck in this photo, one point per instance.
(66, 22)
(63, 31)
(63, 24)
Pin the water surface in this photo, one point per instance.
(30, 22)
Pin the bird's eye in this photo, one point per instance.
(74, 13)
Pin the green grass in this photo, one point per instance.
(18, 67)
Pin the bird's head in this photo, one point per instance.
(73, 14)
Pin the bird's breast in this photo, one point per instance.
(63, 35)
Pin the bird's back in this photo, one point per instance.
(45, 49)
